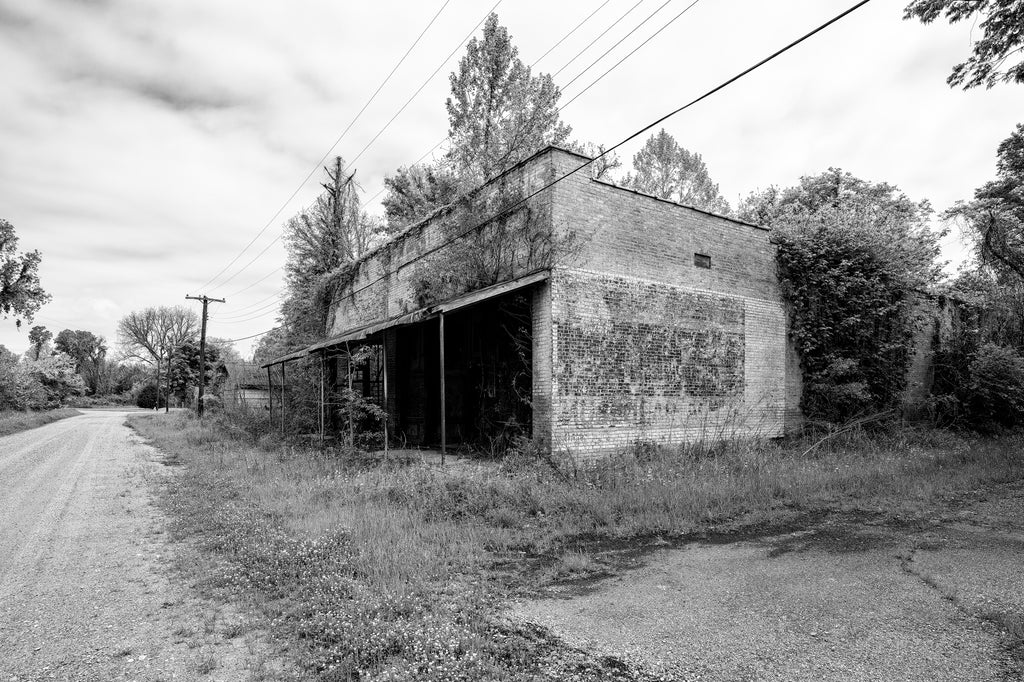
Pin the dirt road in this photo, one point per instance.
(843, 599)
(85, 592)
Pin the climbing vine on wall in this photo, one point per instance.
(493, 236)
(852, 257)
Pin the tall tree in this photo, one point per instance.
(333, 232)
(39, 336)
(89, 353)
(498, 112)
(151, 335)
(1002, 36)
(20, 292)
(996, 216)
(668, 171)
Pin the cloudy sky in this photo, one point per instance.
(145, 144)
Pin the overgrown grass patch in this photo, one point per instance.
(400, 572)
(14, 421)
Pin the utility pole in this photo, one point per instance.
(202, 348)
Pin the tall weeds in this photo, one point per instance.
(393, 571)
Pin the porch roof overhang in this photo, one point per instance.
(430, 312)
(297, 355)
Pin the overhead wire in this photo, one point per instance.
(363, 150)
(564, 66)
(316, 167)
(629, 54)
(446, 60)
(612, 148)
(593, 63)
(515, 205)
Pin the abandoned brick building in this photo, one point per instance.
(583, 314)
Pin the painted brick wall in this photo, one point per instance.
(648, 347)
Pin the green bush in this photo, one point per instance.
(995, 390)
(148, 397)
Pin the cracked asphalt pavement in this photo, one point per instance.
(843, 599)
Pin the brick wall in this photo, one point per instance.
(632, 341)
(382, 284)
(646, 346)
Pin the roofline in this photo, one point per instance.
(440, 209)
(676, 203)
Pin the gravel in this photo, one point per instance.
(86, 591)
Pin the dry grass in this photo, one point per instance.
(15, 421)
(385, 572)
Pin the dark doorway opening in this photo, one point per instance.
(487, 370)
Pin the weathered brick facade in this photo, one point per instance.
(634, 338)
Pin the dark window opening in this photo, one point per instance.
(702, 261)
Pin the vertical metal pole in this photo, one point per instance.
(270, 397)
(284, 408)
(384, 356)
(351, 426)
(444, 435)
(321, 415)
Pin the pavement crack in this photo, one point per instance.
(1009, 624)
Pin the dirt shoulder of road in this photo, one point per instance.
(89, 583)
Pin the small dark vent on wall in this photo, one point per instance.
(702, 261)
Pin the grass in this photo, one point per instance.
(400, 572)
(13, 421)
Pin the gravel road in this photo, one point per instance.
(842, 600)
(85, 586)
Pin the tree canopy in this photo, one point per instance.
(21, 294)
(39, 336)
(995, 218)
(498, 112)
(413, 192)
(320, 240)
(668, 171)
(851, 257)
(1002, 36)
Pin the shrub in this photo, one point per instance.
(995, 390)
(148, 397)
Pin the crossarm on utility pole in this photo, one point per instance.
(202, 348)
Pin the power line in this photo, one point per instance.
(361, 152)
(564, 66)
(624, 141)
(601, 35)
(629, 54)
(253, 336)
(442, 141)
(567, 35)
(420, 89)
(619, 42)
(328, 152)
(267, 276)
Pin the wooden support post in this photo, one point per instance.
(202, 352)
(284, 380)
(270, 397)
(384, 356)
(444, 435)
